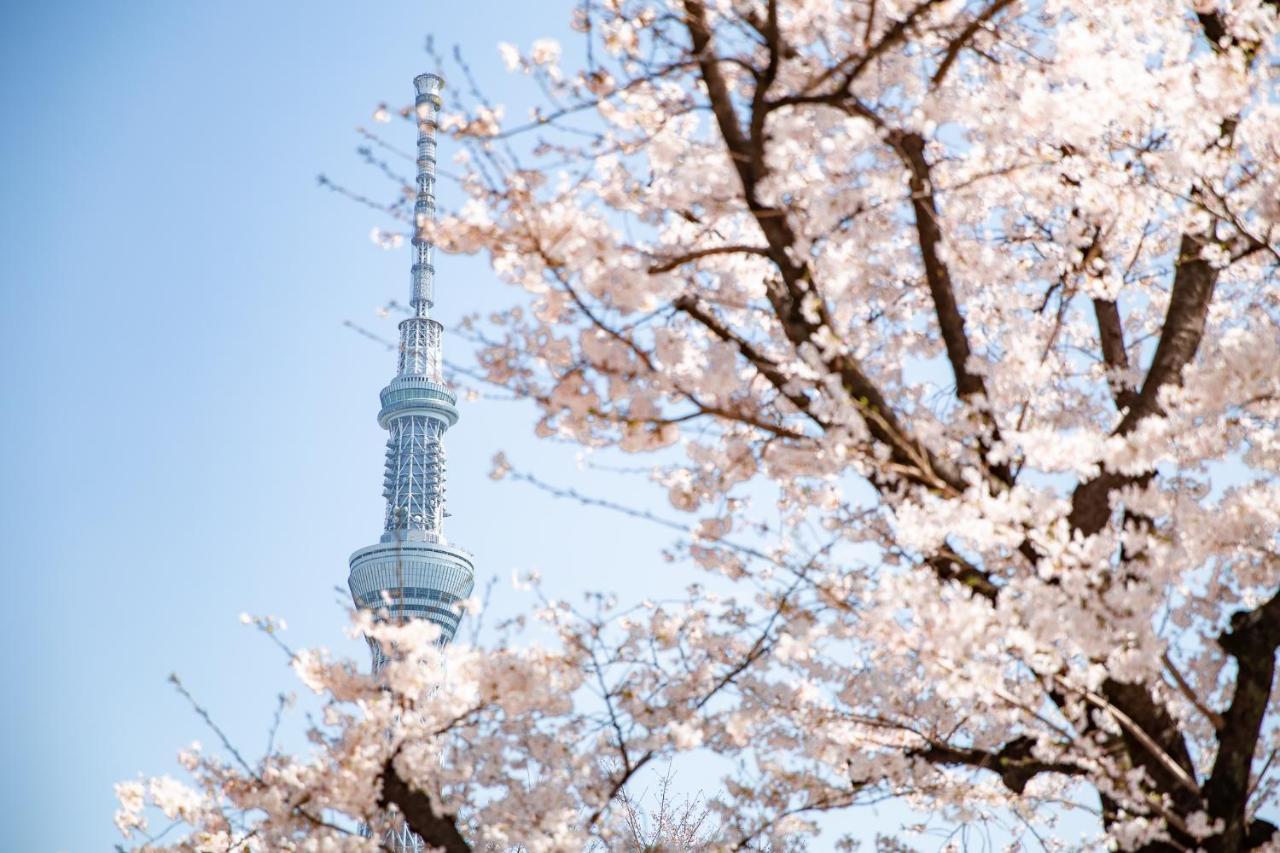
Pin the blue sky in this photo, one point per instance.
(189, 431)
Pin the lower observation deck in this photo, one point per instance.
(413, 578)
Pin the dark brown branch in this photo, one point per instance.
(892, 36)
(1193, 285)
(717, 86)
(937, 274)
(1114, 354)
(1215, 31)
(767, 368)
(959, 43)
(759, 98)
(1252, 640)
(1106, 314)
(949, 566)
(437, 829)
(1153, 740)
(1013, 762)
(688, 257)
(969, 385)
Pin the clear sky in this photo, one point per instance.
(188, 430)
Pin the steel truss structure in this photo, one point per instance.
(413, 572)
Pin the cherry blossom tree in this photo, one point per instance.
(954, 328)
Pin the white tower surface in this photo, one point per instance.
(413, 572)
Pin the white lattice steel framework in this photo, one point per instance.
(413, 572)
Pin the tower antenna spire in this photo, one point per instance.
(427, 102)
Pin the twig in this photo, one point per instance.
(204, 715)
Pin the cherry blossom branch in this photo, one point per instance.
(1214, 718)
(1176, 770)
(214, 727)
(961, 41)
(643, 515)
(1014, 762)
(645, 359)
(1180, 336)
(688, 257)
(970, 386)
(1114, 354)
(694, 308)
(788, 300)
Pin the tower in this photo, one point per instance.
(413, 572)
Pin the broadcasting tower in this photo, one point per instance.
(412, 572)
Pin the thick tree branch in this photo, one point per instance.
(438, 830)
(1193, 286)
(950, 566)
(1215, 30)
(1114, 354)
(1252, 640)
(1153, 739)
(1013, 762)
(969, 385)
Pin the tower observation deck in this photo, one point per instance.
(413, 572)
